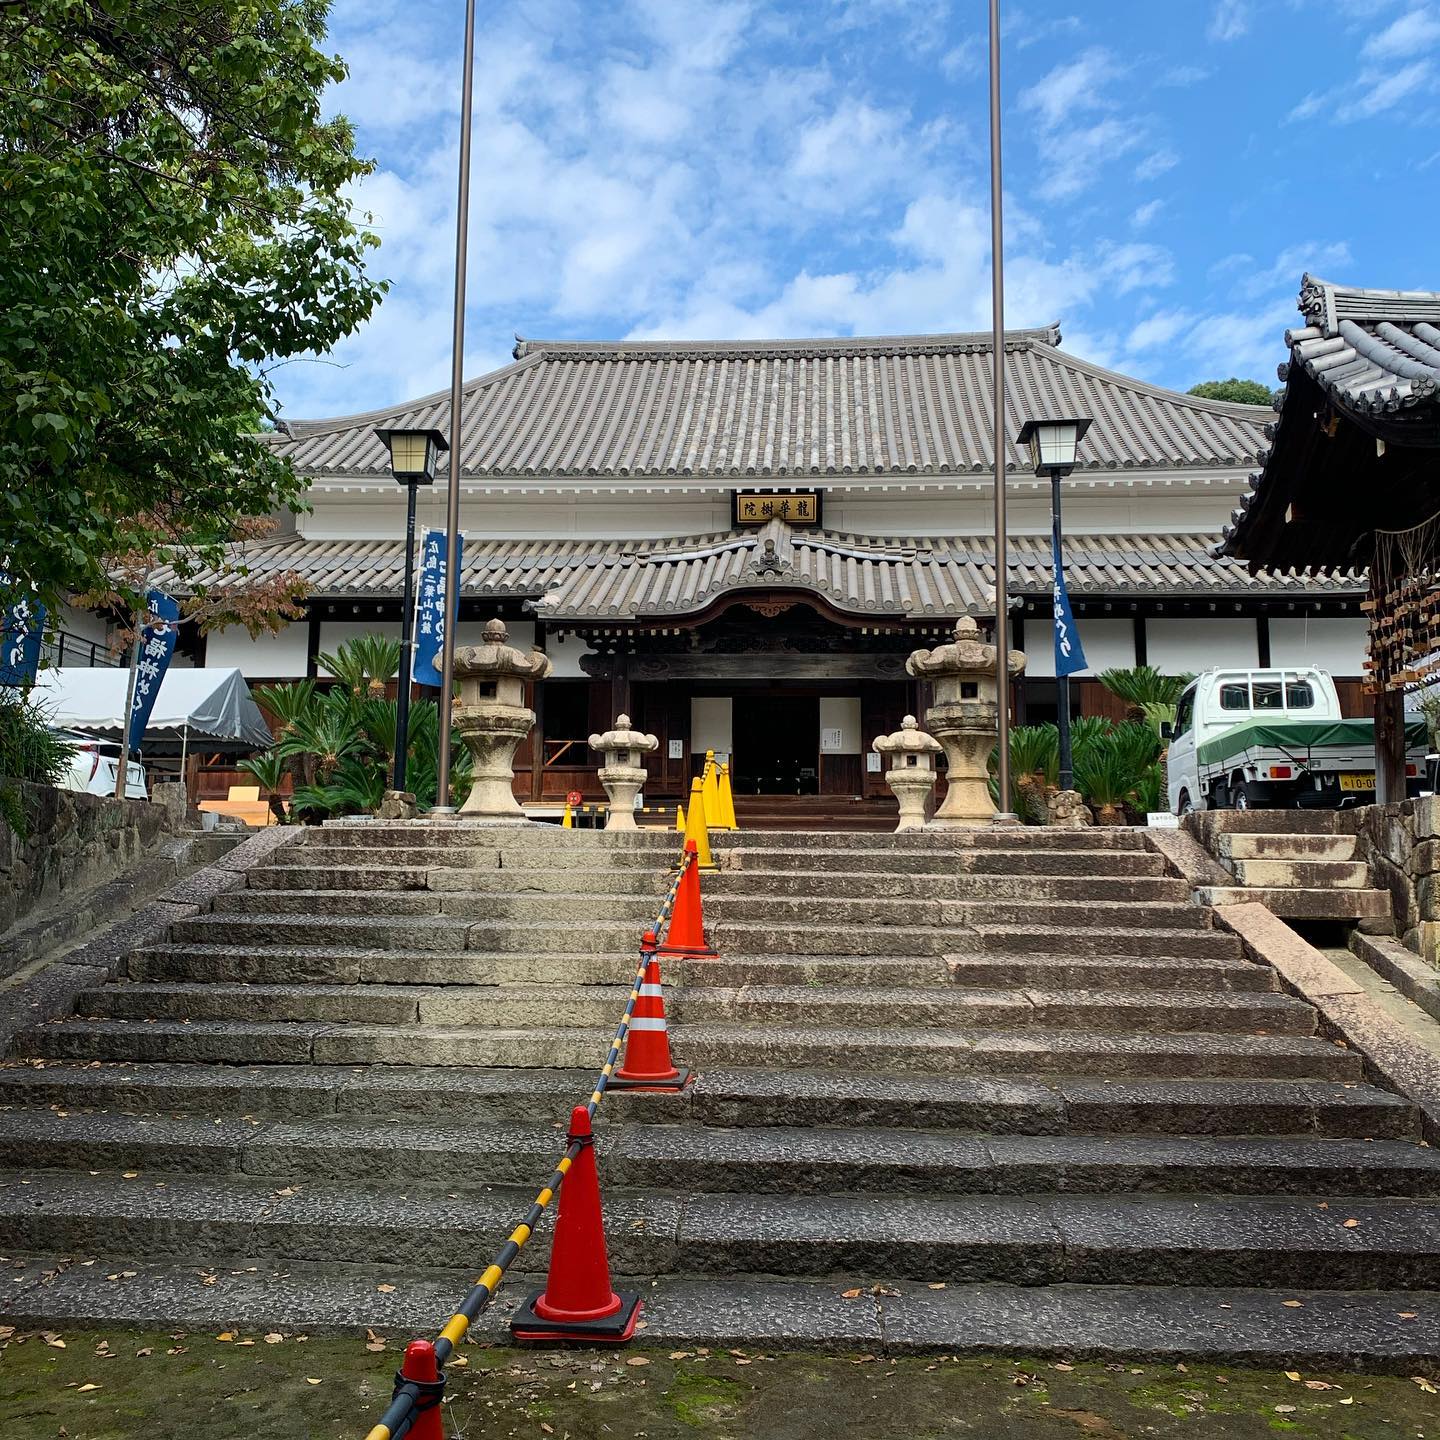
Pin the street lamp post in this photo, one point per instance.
(1052, 445)
(412, 462)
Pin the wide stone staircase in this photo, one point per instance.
(1003, 1089)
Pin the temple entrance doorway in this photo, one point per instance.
(777, 744)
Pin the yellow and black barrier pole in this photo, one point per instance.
(404, 1408)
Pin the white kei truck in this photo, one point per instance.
(1274, 740)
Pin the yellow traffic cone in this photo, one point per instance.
(710, 789)
(568, 823)
(680, 818)
(727, 800)
(695, 826)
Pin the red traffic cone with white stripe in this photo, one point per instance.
(647, 1064)
(686, 935)
(578, 1302)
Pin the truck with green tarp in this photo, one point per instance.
(1274, 739)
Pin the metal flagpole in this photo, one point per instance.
(457, 380)
(1002, 561)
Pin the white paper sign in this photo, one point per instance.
(677, 749)
(831, 740)
(1162, 820)
(872, 762)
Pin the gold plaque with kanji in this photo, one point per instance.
(755, 508)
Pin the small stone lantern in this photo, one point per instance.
(963, 719)
(912, 770)
(623, 772)
(492, 717)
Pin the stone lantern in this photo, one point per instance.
(912, 770)
(492, 717)
(623, 772)
(963, 719)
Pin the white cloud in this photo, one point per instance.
(1229, 20)
(1156, 163)
(1383, 90)
(1414, 32)
(1145, 215)
(1071, 88)
(1159, 329)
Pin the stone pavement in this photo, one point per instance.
(999, 1090)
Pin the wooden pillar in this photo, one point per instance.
(1389, 747)
(620, 686)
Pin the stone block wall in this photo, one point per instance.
(74, 841)
(1402, 844)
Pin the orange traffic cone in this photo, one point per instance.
(647, 1062)
(686, 935)
(578, 1302)
(418, 1368)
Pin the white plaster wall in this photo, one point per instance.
(565, 655)
(710, 724)
(842, 713)
(84, 623)
(1198, 644)
(268, 657)
(1332, 643)
(1109, 644)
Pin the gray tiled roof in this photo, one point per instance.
(903, 405)
(1370, 356)
(905, 577)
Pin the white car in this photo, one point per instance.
(95, 766)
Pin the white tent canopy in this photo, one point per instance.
(192, 705)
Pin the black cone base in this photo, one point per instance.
(613, 1329)
(676, 1082)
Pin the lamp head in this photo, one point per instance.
(1052, 443)
(413, 453)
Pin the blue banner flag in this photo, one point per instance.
(21, 629)
(157, 645)
(430, 605)
(1069, 653)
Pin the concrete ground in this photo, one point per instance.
(116, 1385)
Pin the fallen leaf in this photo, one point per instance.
(1292, 1374)
(1062, 1366)
(131, 1175)
(311, 1380)
(679, 1354)
(226, 1336)
(1348, 1400)
(851, 1294)
(1351, 1224)
(386, 1289)
(1425, 1385)
(1405, 1314)
(546, 1429)
(141, 1354)
(637, 1360)
(374, 1346)
(86, 1387)
(938, 1285)
(1292, 1304)
(274, 1338)
(1284, 1409)
(1318, 1385)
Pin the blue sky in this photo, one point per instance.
(706, 169)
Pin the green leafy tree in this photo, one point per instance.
(1237, 391)
(174, 222)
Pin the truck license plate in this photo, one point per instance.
(1356, 780)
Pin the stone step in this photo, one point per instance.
(1332, 874)
(702, 1159)
(1325, 1330)
(1021, 838)
(1093, 941)
(1299, 903)
(1062, 1239)
(602, 879)
(295, 964)
(1111, 1239)
(965, 885)
(1240, 846)
(1280, 822)
(956, 1052)
(1126, 863)
(722, 905)
(1026, 1106)
(730, 1098)
(1097, 1010)
(518, 1006)
(1126, 972)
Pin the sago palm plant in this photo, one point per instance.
(1141, 686)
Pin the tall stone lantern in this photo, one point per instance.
(963, 719)
(492, 717)
(911, 776)
(623, 774)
